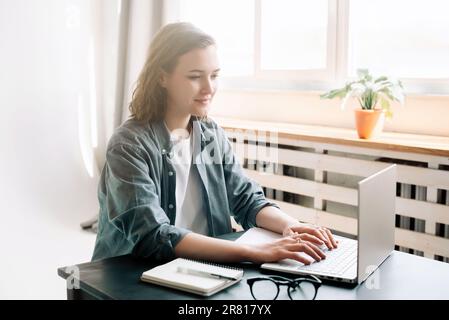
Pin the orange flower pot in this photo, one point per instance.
(369, 123)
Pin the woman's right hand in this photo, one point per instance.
(286, 247)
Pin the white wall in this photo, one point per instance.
(420, 114)
(45, 190)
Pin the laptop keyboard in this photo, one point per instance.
(337, 261)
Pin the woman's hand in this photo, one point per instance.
(286, 247)
(313, 234)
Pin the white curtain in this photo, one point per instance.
(116, 48)
(120, 34)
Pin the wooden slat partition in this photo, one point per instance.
(420, 161)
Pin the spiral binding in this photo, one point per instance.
(213, 264)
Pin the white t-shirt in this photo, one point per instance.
(190, 210)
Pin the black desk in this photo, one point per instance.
(401, 276)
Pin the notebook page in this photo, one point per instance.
(211, 268)
(258, 236)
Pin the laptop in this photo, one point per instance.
(354, 260)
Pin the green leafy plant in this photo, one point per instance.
(370, 91)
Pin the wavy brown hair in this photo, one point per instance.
(149, 98)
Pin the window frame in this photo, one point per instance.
(303, 74)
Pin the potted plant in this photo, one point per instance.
(374, 96)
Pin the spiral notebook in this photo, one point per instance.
(202, 278)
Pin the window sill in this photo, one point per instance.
(393, 141)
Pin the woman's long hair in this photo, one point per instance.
(149, 98)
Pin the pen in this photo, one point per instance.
(204, 273)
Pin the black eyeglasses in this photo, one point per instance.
(267, 288)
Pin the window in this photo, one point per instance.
(313, 44)
(293, 34)
(232, 28)
(252, 42)
(407, 38)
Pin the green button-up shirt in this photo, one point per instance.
(137, 194)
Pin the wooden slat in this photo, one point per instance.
(365, 151)
(344, 148)
(422, 242)
(326, 219)
(304, 187)
(402, 142)
(363, 168)
(299, 212)
(406, 207)
(432, 178)
(422, 210)
(319, 176)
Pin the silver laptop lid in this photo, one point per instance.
(376, 221)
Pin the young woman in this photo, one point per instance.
(170, 182)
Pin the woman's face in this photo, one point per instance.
(193, 83)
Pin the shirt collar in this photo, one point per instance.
(164, 138)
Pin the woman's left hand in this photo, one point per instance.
(311, 233)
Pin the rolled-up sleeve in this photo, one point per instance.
(133, 205)
(245, 196)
